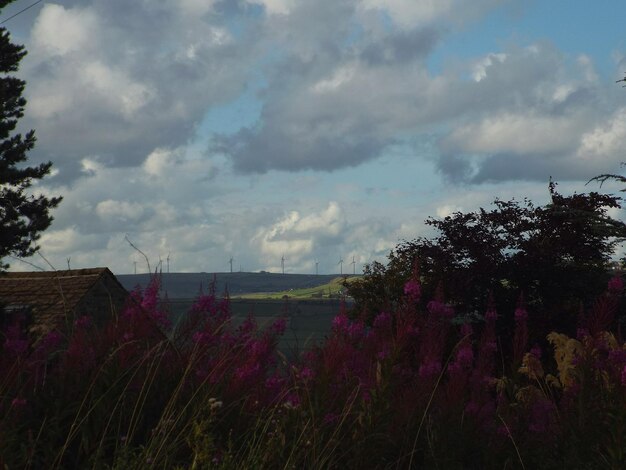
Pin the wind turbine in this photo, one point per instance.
(353, 266)
(317, 263)
(282, 263)
(340, 266)
(168, 263)
(231, 264)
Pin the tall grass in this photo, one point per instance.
(411, 390)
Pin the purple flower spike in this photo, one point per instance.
(616, 285)
(413, 290)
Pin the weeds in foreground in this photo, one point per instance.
(411, 390)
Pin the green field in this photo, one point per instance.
(331, 290)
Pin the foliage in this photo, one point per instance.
(22, 216)
(413, 390)
(557, 255)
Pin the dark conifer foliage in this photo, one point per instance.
(22, 216)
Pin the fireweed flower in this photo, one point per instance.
(429, 369)
(50, 342)
(581, 333)
(520, 336)
(384, 353)
(18, 402)
(340, 323)
(491, 315)
(536, 351)
(382, 320)
(306, 374)
(330, 418)
(279, 326)
(413, 290)
(465, 357)
(616, 285)
(440, 309)
(14, 343)
(541, 416)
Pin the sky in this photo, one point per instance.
(310, 130)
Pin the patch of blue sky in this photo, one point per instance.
(247, 14)
(403, 176)
(580, 27)
(574, 26)
(244, 111)
(472, 41)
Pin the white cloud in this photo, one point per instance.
(160, 162)
(411, 13)
(116, 88)
(194, 7)
(118, 92)
(340, 77)
(275, 7)
(517, 133)
(66, 242)
(482, 66)
(329, 222)
(112, 210)
(446, 210)
(607, 141)
(60, 31)
(296, 237)
(123, 79)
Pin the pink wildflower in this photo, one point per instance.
(616, 285)
(581, 333)
(330, 418)
(440, 309)
(356, 329)
(521, 314)
(429, 369)
(384, 353)
(413, 290)
(83, 322)
(306, 374)
(49, 343)
(340, 323)
(520, 335)
(14, 343)
(536, 351)
(18, 402)
(465, 357)
(279, 326)
(491, 315)
(382, 320)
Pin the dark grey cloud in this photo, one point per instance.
(401, 47)
(277, 148)
(338, 106)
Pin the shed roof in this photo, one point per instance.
(52, 292)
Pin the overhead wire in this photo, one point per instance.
(21, 11)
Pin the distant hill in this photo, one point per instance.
(332, 289)
(188, 285)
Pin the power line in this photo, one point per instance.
(21, 11)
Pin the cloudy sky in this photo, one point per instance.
(317, 130)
